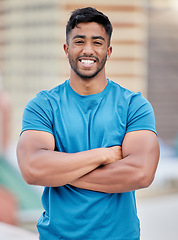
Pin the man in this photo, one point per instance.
(89, 141)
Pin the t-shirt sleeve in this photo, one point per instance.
(38, 114)
(140, 114)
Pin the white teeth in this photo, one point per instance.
(87, 61)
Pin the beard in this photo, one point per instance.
(85, 74)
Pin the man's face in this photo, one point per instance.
(87, 49)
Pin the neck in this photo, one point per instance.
(88, 86)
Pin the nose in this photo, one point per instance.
(88, 49)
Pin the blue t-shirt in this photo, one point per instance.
(80, 123)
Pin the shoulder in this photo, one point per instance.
(52, 93)
(126, 95)
(46, 97)
(137, 109)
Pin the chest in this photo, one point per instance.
(84, 125)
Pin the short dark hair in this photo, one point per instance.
(85, 15)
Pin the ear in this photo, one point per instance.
(109, 51)
(66, 49)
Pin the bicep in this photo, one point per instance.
(142, 145)
(32, 141)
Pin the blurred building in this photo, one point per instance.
(144, 56)
(163, 67)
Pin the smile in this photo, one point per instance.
(87, 63)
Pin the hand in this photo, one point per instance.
(112, 154)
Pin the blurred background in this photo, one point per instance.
(145, 59)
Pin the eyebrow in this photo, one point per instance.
(98, 37)
(83, 37)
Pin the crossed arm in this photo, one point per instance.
(136, 169)
(113, 169)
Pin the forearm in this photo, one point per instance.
(134, 171)
(117, 177)
(50, 168)
(41, 165)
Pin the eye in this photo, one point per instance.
(79, 42)
(97, 43)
